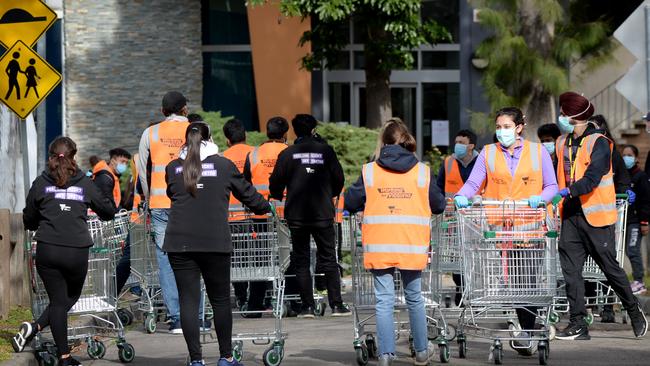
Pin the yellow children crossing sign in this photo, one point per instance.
(25, 79)
(24, 20)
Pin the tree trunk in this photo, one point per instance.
(378, 102)
(538, 35)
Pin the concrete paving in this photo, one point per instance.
(327, 341)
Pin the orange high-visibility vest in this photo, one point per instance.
(528, 178)
(237, 154)
(527, 181)
(117, 194)
(453, 180)
(137, 199)
(339, 208)
(165, 141)
(262, 162)
(396, 230)
(598, 206)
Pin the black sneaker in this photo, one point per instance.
(577, 331)
(307, 312)
(69, 361)
(607, 316)
(25, 334)
(341, 310)
(638, 320)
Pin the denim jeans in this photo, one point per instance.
(633, 251)
(385, 297)
(159, 217)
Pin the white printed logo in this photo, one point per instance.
(199, 185)
(310, 170)
(64, 207)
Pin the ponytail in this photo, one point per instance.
(196, 133)
(61, 164)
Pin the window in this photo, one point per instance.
(224, 22)
(229, 87)
(440, 60)
(339, 95)
(440, 101)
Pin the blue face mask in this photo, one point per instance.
(507, 136)
(630, 161)
(120, 168)
(550, 147)
(460, 150)
(564, 123)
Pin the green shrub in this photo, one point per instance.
(216, 121)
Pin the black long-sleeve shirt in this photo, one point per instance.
(200, 224)
(639, 211)
(105, 182)
(59, 214)
(313, 176)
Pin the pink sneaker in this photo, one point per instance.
(638, 288)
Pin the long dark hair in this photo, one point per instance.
(61, 163)
(196, 133)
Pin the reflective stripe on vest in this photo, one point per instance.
(396, 226)
(165, 141)
(598, 206)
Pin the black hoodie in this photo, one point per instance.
(59, 214)
(400, 160)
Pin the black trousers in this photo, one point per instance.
(215, 269)
(325, 256)
(63, 272)
(578, 239)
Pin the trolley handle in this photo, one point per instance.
(479, 201)
(622, 196)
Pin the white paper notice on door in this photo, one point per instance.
(439, 133)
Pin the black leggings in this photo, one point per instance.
(63, 271)
(215, 268)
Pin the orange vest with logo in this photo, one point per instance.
(137, 199)
(117, 194)
(396, 230)
(237, 154)
(165, 141)
(598, 206)
(262, 162)
(527, 180)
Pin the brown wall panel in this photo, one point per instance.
(281, 86)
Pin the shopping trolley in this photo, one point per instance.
(261, 250)
(98, 303)
(602, 294)
(144, 267)
(508, 264)
(364, 302)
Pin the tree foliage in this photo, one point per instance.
(533, 43)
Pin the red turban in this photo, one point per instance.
(576, 106)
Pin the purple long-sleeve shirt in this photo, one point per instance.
(479, 173)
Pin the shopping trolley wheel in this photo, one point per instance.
(462, 347)
(238, 350)
(554, 317)
(447, 301)
(371, 346)
(320, 309)
(126, 352)
(48, 359)
(497, 353)
(444, 352)
(589, 319)
(362, 355)
(272, 357)
(96, 349)
(450, 332)
(543, 352)
(209, 313)
(126, 316)
(150, 324)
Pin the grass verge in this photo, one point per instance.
(8, 328)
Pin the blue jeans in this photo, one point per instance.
(385, 297)
(159, 218)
